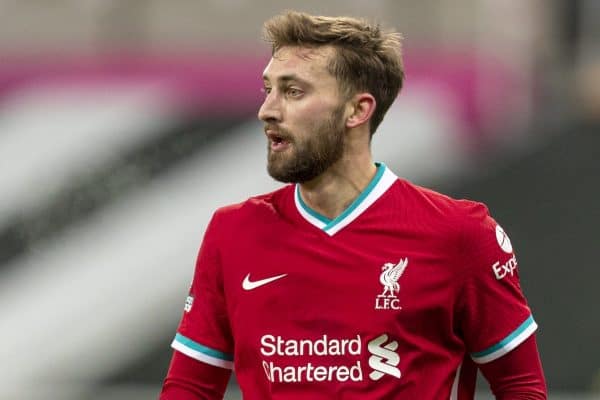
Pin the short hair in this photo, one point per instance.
(367, 58)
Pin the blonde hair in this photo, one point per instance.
(367, 58)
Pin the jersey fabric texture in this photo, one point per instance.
(399, 297)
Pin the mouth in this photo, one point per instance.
(277, 141)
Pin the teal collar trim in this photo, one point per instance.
(382, 180)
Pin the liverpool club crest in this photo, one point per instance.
(389, 279)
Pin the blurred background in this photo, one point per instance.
(124, 124)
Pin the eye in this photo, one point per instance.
(294, 92)
(266, 90)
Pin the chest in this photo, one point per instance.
(358, 282)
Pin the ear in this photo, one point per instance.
(362, 107)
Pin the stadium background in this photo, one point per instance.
(123, 125)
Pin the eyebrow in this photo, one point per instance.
(287, 78)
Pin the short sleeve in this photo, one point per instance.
(494, 316)
(204, 332)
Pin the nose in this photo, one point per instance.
(270, 110)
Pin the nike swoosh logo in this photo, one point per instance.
(247, 284)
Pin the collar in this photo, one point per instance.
(381, 182)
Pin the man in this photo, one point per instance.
(349, 283)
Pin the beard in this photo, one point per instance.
(309, 158)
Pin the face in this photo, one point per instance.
(303, 113)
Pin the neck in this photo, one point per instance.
(332, 192)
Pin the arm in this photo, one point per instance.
(189, 379)
(517, 375)
(496, 322)
(203, 358)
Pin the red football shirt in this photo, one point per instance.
(398, 297)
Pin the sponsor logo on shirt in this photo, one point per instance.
(247, 284)
(189, 301)
(384, 358)
(389, 279)
(290, 355)
(503, 240)
(508, 268)
(501, 270)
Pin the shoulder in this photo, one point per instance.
(433, 206)
(254, 208)
(453, 225)
(463, 227)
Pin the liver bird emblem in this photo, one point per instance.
(389, 277)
